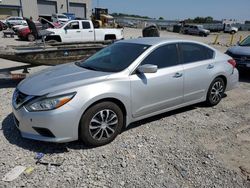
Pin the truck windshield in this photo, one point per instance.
(62, 16)
(245, 42)
(114, 58)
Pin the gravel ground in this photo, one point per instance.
(195, 146)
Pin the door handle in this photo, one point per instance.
(78, 31)
(178, 75)
(210, 66)
(90, 31)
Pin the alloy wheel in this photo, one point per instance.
(217, 91)
(103, 124)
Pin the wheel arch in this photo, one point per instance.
(116, 101)
(110, 37)
(224, 78)
(53, 37)
(217, 76)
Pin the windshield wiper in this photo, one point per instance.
(88, 67)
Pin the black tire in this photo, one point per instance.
(31, 37)
(233, 32)
(106, 130)
(215, 92)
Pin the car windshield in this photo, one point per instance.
(114, 58)
(245, 42)
(62, 16)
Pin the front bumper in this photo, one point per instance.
(62, 123)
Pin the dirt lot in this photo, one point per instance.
(192, 147)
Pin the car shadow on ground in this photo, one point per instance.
(12, 134)
(160, 116)
(8, 83)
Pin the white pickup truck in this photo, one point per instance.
(82, 31)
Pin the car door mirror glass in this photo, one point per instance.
(147, 68)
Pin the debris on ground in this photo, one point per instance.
(14, 173)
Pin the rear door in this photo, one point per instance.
(87, 31)
(154, 92)
(198, 67)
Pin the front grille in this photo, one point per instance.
(20, 98)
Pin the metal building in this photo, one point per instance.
(45, 8)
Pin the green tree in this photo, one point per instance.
(161, 18)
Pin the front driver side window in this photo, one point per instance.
(164, 56)
(72, 25)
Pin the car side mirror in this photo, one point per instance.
(147, 68)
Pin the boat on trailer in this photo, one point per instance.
(52, 54)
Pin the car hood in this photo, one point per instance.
(63, 19)
(205, 30)
(240, 50)
(59, 78)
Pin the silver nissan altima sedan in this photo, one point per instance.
(125, 82)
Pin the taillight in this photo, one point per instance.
(232, 62)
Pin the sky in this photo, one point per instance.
(179, 9)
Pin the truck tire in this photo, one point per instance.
(232, 32)
(31, 37)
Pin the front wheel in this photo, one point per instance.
(215, 92)
(31, 37)
(101, 123)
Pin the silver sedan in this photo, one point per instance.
(123, 83)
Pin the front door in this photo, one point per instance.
(155, 92)
(73, 32)
(87, 32)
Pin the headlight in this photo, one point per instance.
(51, 103)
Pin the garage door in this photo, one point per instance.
(46, 8)
(79, 9)
(11, 11)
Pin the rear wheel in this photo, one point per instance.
(31, 37)
(101, 123)
(215, 92)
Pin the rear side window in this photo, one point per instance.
(164, 56)
(195, 52)
(85, 25)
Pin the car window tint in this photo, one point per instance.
(164, 56)
(195, 52)
(85, 25)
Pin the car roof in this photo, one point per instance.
(157, 40)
